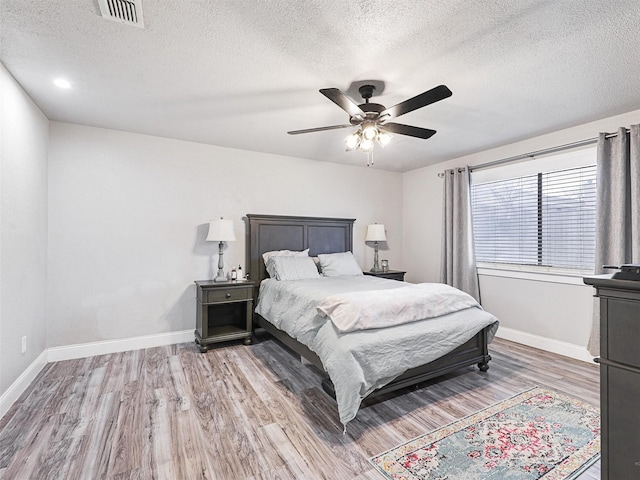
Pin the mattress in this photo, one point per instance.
(362, 361)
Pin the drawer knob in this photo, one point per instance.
(228, 295)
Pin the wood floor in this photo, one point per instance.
(241, 412)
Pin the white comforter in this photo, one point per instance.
(362, 361)
(354, 311)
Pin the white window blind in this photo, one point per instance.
(545, 219)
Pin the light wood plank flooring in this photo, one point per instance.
(241, 412)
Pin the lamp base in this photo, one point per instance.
(376, 270)
(376, 265)
(221, 277)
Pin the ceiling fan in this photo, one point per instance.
(373, 118)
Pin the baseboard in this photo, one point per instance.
(83, 350)
(17, 388)
(70, 352)
(549, 344)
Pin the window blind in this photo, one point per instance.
(545, 219)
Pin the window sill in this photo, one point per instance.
(533, 273)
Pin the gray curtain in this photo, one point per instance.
(458, 267)
(617, 208)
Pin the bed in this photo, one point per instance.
(267, 233)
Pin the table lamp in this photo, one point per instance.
(221, 231)
(375, 234)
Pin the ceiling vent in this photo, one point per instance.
(128, 12)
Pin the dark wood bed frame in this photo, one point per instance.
(266, 233)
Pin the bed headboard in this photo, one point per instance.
(266, 233)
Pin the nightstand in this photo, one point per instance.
(223, 312)
(390, 274)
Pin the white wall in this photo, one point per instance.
(556, 316)
(128, 217)
(23, 229)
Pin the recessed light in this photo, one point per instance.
(62, 83)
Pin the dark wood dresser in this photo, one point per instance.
(619, 375)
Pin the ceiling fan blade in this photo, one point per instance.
(319, 129)
(408, 130)
(426, 98)
(344, 102)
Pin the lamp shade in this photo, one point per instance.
(375, 233)
(221, 231)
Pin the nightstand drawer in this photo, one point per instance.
(389, 274)
(230, 294)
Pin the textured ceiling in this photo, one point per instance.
(242, 73)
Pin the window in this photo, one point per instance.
(545, 219)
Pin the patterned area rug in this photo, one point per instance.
(536, 434)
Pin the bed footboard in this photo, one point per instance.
(474, 351)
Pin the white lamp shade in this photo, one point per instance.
(221, 231)
(375, 233)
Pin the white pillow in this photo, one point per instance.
(339, 264)
(267, 256)
(293, 268)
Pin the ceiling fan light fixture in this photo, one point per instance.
(365, 138)
(383, 138)
(366, 145)
(352, 141)
(369, 131)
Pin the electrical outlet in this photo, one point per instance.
(24, 344)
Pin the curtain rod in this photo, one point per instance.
(545, 151)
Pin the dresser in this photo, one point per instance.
(619, 375)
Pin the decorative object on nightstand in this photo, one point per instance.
(375, 234)
(221, 231)
(224, 312)
(384, 264)
(390, 274)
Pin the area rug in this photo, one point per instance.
(535, 434)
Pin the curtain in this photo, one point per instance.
(617, 209)
(458, 267)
